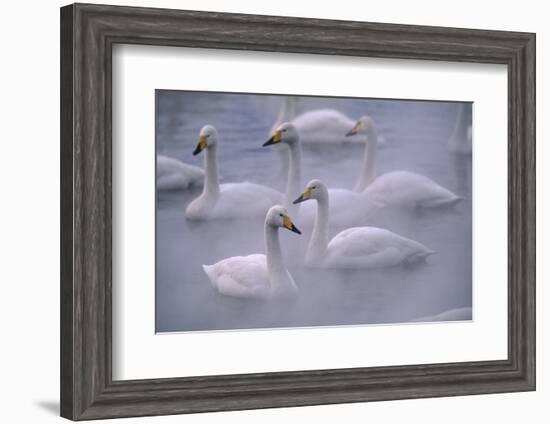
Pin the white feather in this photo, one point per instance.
(235, 200)
(458, 314)
(231, 200)
(397, 188)
(403, 188)
(240, 276)
(322, 126)
(173, 174)
(345, 207)
(357, 247)
(371, 247)
(256, 276)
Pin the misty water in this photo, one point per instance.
(415, 138)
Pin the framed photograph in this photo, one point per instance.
(263, 211)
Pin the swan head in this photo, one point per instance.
(208, 137)
(285, 133)
(277, 217)
(315, 189)
(364, 125)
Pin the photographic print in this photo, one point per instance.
(281, 211)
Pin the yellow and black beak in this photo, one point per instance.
(306, 195)
(354, 130)
(287, 223)
(200, 146)
(276, 138)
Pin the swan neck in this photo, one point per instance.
(287, 112)
(275, 267)
(368, 171)
(294, 180)
(460, 130)
(319, 238)
(211, 182)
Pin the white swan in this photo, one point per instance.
(397, 188)
(230, 200)
(358, 247)
(322, 126)
(461, 139)
(287, 135)
(173, 174)
(319, 126)
(346, 206)
(457, 314)
(257, 276)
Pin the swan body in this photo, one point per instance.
(371, 247)
(230, 200)
(173, 174)
(322, 126)
(257, 276)
(403, 188)
(357, 247)
(346, 206)
(319, 126)
(461, 138)
(234, 200)
(457, 314)
(240, 276)
(397, 188)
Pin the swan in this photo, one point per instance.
(461, 139)
(347, 206)
(457, 314)
(320, 127)
(396, 188)
(287, 135)
(230, 200)
(257, 276)
(173, 174)
(358, 247)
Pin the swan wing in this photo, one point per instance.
(173, 174)
(274, 196)
(403, 188)
(362, 241)
(457, 314)
(345, 207)
(322, 126)
(373, 247)
(240, 276)
(245, 199)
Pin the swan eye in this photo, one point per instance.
(281, 215)
(283, 130)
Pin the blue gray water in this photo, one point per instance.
(416, 135)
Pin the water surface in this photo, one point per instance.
(415, 137)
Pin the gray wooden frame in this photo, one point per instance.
(88, 33)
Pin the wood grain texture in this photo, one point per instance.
(88, 33)
(66, 209)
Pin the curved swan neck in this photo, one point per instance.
(287, 112)
(278, 275)
(319, 238)
(460, 130)
(368, 171)
(294, 179)
(211, 182)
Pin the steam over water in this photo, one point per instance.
(415, 137)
